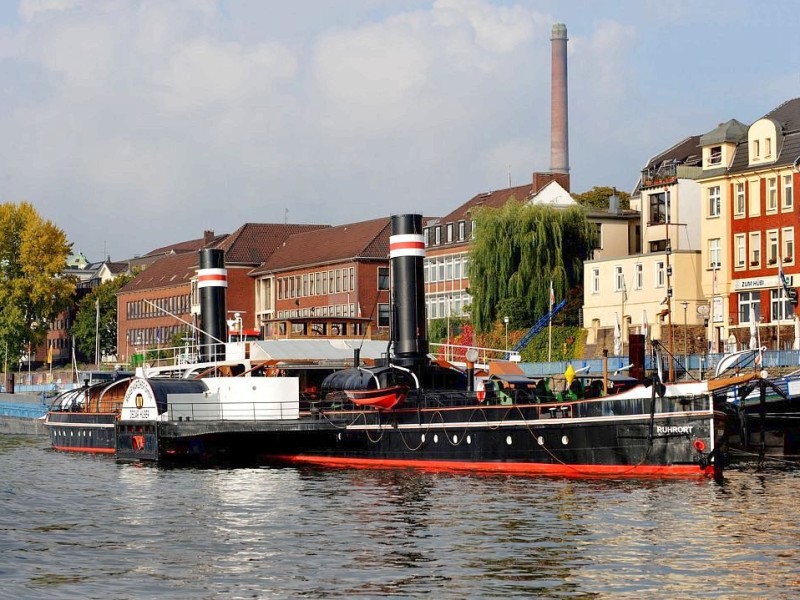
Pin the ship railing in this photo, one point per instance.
(232, 411)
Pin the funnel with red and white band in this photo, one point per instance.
(409, 325)
(212, 279)
(406, 244)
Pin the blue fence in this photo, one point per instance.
(24, 410)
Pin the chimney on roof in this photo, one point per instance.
(208, 236)
(559, 129)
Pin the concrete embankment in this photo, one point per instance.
(18, 425)
(19, 414)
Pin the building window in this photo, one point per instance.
(772, 247)
(714, 253)
(787, 236)
(660, 274)
(383, 315)
(440, 265)
(598, 236)
(383, 278)
(427, 234)
(772, 194)
(352, 275)
(595, 280)
(658, 246)
(457, 267)
(756, 149)
(741, 250)
(658, 208)
(749, 307)
(449, 264)
(780, 307)
(449, 232)
(437, 235)
(715, 155)
(714, 204)
(305, 284)
(788, 192)
(767, 147)
(473, 229)
(433, 270)
(462, 231)
(754, 199)
(740, 200)
(619, 279)
(755, 249)
(638, 276)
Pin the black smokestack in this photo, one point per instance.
(212, 279)
(409, 329)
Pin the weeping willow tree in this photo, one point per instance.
(518, 250)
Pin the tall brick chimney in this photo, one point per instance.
(559, 134)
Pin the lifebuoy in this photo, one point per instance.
(480, 391)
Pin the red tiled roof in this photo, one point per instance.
(253, 243)
(187, 246)
(168, 271)
(367, 239)
(495, 199)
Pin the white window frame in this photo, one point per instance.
(660, 274)
(714, 201)
(638, 276)
(773, 247)
(741, 200)
(787, 245)
(714, 253)
(772, 194)
(787, 201)
(595, 280)
(780, 309)
(619, 279)
(740, 246)
(754, 258)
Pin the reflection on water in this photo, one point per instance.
(76, 526)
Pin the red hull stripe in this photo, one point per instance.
(85, 449)
(561, 470)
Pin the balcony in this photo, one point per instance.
(668, 174)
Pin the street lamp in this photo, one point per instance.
(685, 305)
(506, 320)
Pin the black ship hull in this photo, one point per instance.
(514, 439)
(94, 433)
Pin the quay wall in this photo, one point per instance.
(21, 426)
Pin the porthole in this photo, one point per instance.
(508, 440)
(540, 441)
(455, 439)
(423, 438)
(469, 439)
(339, 436)
(564, 440)
(435, 438)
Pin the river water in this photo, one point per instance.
(81, 527)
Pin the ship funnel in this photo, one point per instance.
(212, 279)
(409, 326)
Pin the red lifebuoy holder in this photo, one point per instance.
(480, 391)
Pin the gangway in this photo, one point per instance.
(538, 326)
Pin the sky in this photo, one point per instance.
(134, 124)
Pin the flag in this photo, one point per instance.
(782, 279)
(552, 296)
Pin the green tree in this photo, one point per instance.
(518, 250)
(84, 327)
(598, 196)
(33, 288)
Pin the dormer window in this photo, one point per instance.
(449, 232)
(427, 233)
(767, 148)
(715, 155)
(462, 231)
(756, 149)
(437, 235)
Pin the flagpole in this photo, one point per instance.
(550, 325)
